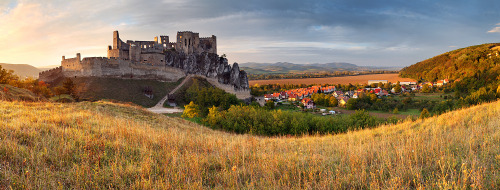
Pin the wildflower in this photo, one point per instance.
(234, 168)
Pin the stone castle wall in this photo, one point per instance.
(50, 75)
(118, 68)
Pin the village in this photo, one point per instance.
(302, 96)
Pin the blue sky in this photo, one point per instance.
(363, 32)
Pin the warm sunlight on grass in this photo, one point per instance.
(104, 145)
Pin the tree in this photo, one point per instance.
(397, 88)
(387, 86)
(190, 110)
(269, 105)
(6, 76)
(498, 91)
(426, 88)
(395, 111)
(69, 86)
(333, 102)
(59, 91)
(424, 114)
(351, 103)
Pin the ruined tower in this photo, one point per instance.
(119, 49)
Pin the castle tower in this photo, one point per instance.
(188, 42)
(119, 49)
(116, 39)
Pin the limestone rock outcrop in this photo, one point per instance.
(209, 65)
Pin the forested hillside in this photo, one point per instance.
(481, 62)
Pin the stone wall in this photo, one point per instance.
(50, 75)
(71, 63)
(208, 45)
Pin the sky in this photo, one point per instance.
(394, 33)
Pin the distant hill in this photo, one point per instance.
(48, 67)
(285, 67)
(480, 62)
(22, 70)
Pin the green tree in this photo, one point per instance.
(387, 86)
(395, 111)
(426, 88)
(190, 110)
(333, 102)
(269, 105)
(351, 103)
(397, 88)
(424, 114)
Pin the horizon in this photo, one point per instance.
(364, 33)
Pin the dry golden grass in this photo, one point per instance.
(361, 79)
(103, 145)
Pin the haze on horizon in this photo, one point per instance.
(362, 32)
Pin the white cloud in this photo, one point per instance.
(495, 30)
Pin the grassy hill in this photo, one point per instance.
(22, 70)
(93, 145)
(10, 93)
(123, 90)
(481, 61)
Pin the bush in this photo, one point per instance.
(259, 121)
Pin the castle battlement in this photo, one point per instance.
(187, 32)
(50, 70)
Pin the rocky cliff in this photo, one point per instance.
(209, 65)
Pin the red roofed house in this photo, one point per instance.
(308, 103)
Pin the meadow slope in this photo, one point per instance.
(103, 145)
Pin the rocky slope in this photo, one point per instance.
(209, 65)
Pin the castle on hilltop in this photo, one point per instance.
(159, 59)
(187, 42)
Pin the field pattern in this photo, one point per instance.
(361, 79)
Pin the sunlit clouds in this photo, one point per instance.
(362, 32)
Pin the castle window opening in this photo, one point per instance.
(185, 42)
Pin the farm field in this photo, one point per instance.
(361, 79)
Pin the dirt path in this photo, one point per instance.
(158, 108)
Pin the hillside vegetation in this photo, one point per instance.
(481, 61)
(22, 70)
(93, 145)
(123, 90)
(10, 93)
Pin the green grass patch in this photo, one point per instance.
(400, 112)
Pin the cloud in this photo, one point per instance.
(495, 30)
(361, 31)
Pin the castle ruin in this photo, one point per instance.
(159, 59)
